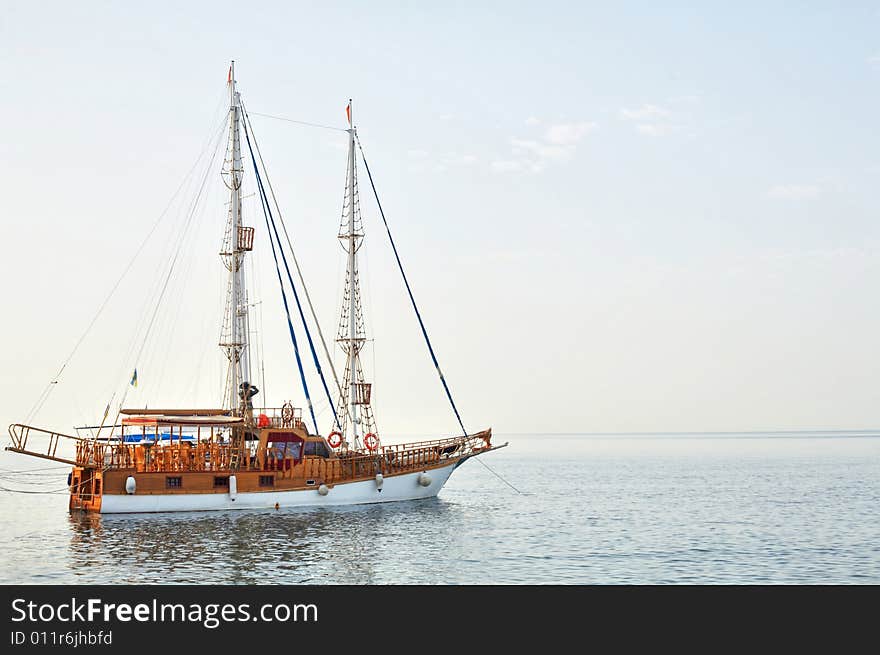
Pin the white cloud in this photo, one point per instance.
(441, 162)
(685, 99)
(654, 129)
(534, 155)
(874, 60)
(531, 120)
(566, 134)
(540, 150)
(645, 112)
(794, 191)
(507, 165)
(455, 159)
(651, 120)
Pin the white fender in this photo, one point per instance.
(379, 480)
(233, 487)
(323, 490)
(424, 479)
(130, 485)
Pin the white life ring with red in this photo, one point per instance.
(334, 443)
(371, 441)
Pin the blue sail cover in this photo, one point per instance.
(151, 437)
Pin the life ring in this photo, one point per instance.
(371, 441)
(334, 442)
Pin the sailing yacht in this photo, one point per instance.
(242, 456)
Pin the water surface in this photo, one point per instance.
(604, 509)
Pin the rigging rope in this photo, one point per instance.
(290, 120)
(305, 289)
(409, 290)
(267, 213)
(38, 405)
(247, 124)
(164, 288)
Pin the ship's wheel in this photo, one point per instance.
(287, 415)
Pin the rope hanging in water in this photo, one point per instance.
(409, 290)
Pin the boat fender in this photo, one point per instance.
(323, 490)
(379, 480)
(424, 479)
(233, 487)
(130, 485)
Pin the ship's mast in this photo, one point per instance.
(237, 241)
(351, 334)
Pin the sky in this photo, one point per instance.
(617, 217)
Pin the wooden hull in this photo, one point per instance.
(404, 486)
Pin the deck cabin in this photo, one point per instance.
(211, 451)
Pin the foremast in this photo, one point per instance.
(237, 241)
(354, 412)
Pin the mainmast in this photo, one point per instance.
(237, 241)
(351, 335)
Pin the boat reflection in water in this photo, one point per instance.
(340, 545)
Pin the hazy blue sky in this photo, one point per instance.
(615, 216)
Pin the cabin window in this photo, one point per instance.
(317, 448)
(267, 480)
(97, 487)
(291, 449)
(173, 482)
(221, 481)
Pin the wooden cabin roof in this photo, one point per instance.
(176, 419)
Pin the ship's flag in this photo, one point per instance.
(348, 112)
(134, 378)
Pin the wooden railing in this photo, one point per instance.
(450, 447)
(272, 417)
(20, 435)
(213, 456)
(203, 456)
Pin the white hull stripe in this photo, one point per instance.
(398, 487)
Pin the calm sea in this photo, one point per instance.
(670, 509)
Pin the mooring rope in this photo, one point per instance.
(65, 490)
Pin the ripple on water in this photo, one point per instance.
(610, 511)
